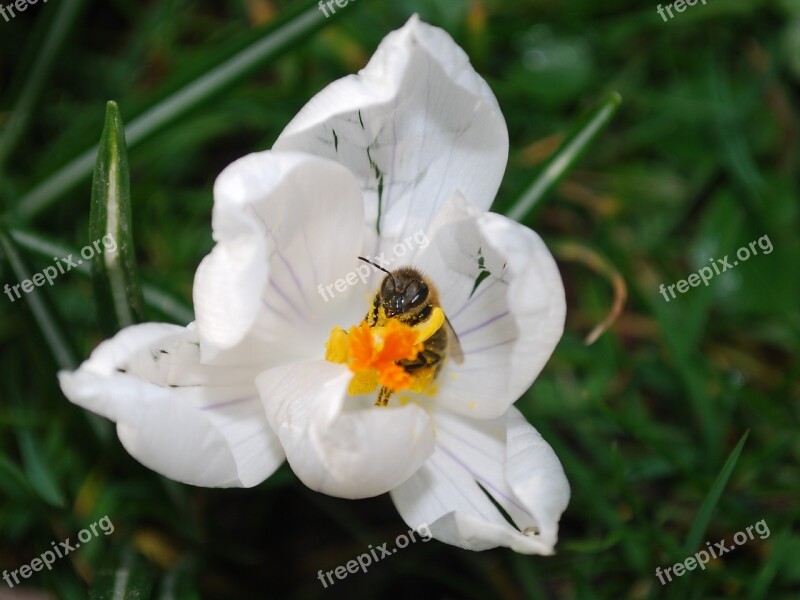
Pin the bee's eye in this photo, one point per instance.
(418, 294)
(387, 287)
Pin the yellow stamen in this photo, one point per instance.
(336, 346)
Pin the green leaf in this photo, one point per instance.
(59, 346)
(570, 152)
(39, 472)
(114, 275)
(277, 39)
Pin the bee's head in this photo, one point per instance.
(403, 292)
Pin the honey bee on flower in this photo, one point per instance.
(408, 389)
(403, 340)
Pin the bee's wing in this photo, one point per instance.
(453, 344)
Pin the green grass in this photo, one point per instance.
(700, 160)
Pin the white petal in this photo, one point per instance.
(337, 444)
(286, 225)
(196, 424)
(509, 460)
(416, 124)
(510, 324)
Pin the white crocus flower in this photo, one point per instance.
(412, 148)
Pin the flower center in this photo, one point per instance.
(376, 354)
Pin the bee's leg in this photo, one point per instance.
(431, 355)
(383, 396)
(426, 358)
(372, 313)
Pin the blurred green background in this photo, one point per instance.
(701, 159)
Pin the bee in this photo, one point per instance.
(409, 296)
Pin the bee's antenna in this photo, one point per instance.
(374, 265)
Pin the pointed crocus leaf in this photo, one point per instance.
(570, 152)
(114, 275)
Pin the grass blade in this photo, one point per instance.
(37, 76)
(114, 274)
(703, 517)
(13, 481)
(39, 244)
(130, 579)
(60, 348)
(38, 471)
(571, 151)
(166, 304)
(277, 39)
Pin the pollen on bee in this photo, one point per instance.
(374, 353)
